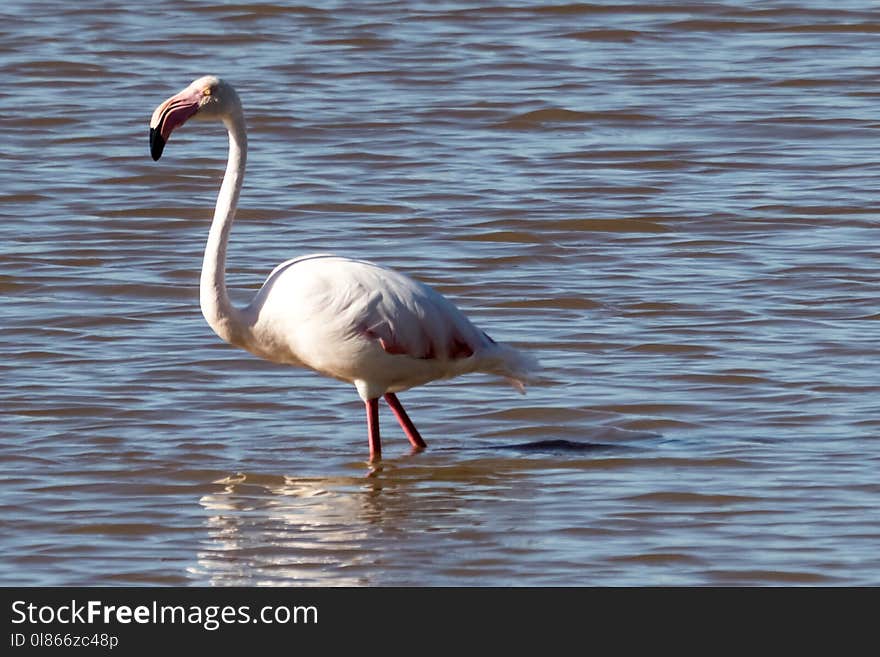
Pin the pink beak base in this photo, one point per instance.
(170, 115)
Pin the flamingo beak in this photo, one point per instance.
(170, 115)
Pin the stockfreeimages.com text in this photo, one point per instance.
(211, 617)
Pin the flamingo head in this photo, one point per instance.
(208, 97)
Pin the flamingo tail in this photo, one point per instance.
(518, 367)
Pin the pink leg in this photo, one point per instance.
(373, 429)
(405, 423)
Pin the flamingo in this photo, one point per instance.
(345, 318)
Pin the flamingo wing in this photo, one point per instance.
(409, 318)
(330, 306)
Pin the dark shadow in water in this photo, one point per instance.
(558, 446)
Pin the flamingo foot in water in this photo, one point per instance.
(412, 434)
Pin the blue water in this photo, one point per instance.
(672, 206)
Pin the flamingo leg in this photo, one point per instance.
(406, 424)
(373, 428)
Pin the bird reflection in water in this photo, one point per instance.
(276, 529)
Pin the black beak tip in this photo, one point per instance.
(157, 144)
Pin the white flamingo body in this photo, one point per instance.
(365, 324)
(349, 319)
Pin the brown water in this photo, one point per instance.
(674, 206)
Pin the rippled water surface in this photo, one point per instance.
(672, 205)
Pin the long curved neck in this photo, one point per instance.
(218, 310)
